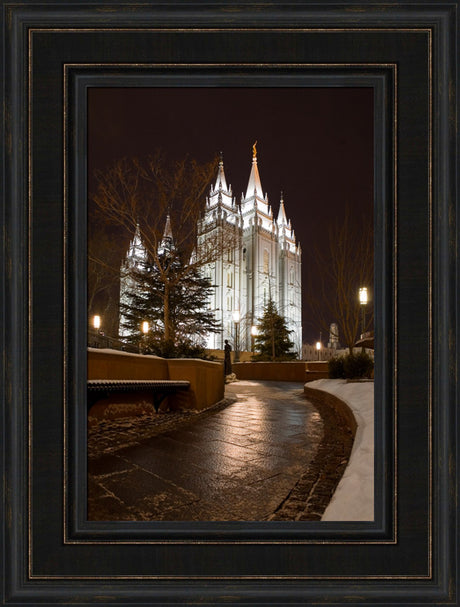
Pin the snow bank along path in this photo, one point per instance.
(353, 499)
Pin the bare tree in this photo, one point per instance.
(337, 275)
(106, 248)
(135, 193)
(103, 276)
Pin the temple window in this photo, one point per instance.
(266, 261)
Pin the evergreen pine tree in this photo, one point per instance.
(190, 318)
(272, 341)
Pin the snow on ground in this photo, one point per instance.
(353, 499)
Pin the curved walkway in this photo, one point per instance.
(239, 463)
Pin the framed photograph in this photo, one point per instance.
(180, 268)
(371, 89)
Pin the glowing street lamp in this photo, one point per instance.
(363, 301)
(363, 295)
(96, 322)
(145, 327)
(236, 320)
(318, 348)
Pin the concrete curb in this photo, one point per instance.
(353, 499)
(339, 406)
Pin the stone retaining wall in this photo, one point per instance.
(342, 410)
(206, 378)
(282, 371)
(276, 371)
(245, 356)
(114, 364)
(321, 366)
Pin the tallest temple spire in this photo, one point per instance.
(254, 185)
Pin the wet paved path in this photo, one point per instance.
(239, 463)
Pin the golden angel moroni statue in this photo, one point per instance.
(254, 151)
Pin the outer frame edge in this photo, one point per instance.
(36, 592)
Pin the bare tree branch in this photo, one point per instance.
(347, 266)
(141, 193)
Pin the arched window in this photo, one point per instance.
(229, 279)
(229, 303)
(291, 276)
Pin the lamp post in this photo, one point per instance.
(236, 320)
(318, 348)
(96, 339)
(254, 332)
(145, 328)
(363, 302)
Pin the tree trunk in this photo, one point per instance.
(166, 313)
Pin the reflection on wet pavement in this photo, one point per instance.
(238, 464)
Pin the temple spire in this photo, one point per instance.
(254, 186)
(167, 242)
(221, 182)
(168, 230)
(136, 250)
(281, 220)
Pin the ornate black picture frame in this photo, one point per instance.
(53, 53)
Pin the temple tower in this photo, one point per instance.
(254, 257)
(265, 260)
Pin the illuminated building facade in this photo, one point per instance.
(264, 260)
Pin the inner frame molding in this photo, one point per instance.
(383, 79)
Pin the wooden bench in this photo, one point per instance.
(160, 388)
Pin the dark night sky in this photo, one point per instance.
(315, 144)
